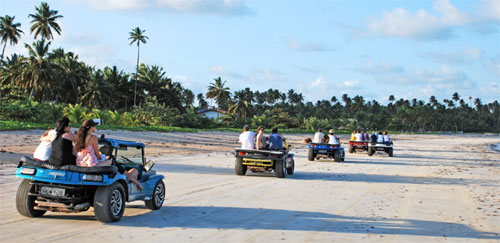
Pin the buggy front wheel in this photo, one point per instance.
(158, 196)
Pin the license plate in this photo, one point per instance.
(52, 191)
(322, 151)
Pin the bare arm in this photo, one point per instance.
(45, 137)
(95, 145)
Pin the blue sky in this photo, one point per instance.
(409, 49)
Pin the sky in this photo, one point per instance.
(409, 49)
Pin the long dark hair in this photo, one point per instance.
(61, 125)
(81, 135)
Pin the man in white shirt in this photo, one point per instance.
(247, 138)
(358, 136)
(332, 138)
(318, 137)
(380, 138)
(386, 137)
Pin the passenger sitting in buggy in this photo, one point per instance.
(373, 138)
(386, 138)
(131, 174)
(275, 141)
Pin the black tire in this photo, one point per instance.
(109, 203)
(370, 151)
(158, 196)
(24, 203)
(336, 156)
(351, 149)
(290, 170)
(280, 168)
(239, 167)
(310, 154)
(390, 152)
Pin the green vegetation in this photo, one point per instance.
(51, 83)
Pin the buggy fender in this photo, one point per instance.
(149, 184)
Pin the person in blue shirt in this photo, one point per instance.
(275, 140)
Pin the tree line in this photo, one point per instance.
(52, 82)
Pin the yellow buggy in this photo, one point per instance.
(281, 162)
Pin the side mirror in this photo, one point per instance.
(149, 165)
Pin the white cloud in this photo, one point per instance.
(494, 65)
(267, 75)
(309, 46)
(352, 83)
(445, 77)
(424, 25)
(319, 83)
(373, 68)
(183, 80)
(215, 7)
(118, 4)
(491, 9)
(224, 72)
(463, 56)
(492, 88)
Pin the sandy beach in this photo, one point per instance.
(436, 188)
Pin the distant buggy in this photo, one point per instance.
(325, 150)
(387, 147)
(281, 162)
(358, 146)
(73, 189)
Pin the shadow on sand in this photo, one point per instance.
(327, 176)
(205, 217)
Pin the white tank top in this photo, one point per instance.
(42, 152)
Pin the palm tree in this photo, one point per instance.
(202, 103)
(391, 98)
(455, 96)
(38, 75)
(73, 74)
(136, 35)
(44, 21)
(9, 32)
(218, 92)
(333, 100)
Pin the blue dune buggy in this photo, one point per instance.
(325, 150)
(72, 189)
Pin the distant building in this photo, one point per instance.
(211, 113)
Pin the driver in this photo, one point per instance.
(131, 174)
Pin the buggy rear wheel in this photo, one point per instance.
(109, 202)
(291, 169)
(25, 204)
(336, 156)
(390, 152)
(280, 168)
(370, 151)
(239, 167)
(351, 149)
(310, 154)
(158, 196)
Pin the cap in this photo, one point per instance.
(89, 123)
